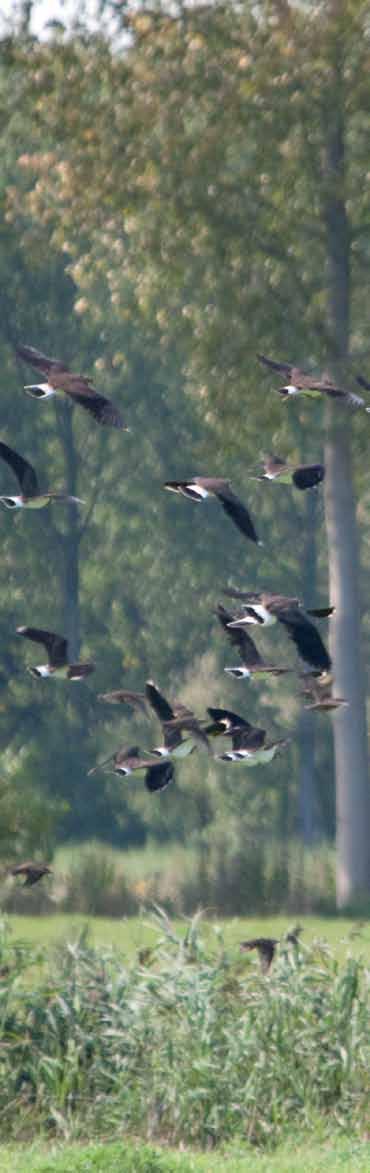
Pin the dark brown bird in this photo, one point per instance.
(57, 650)
(29, 496)
(123, 696)
(266, 947)
(266, 608)
(303, 383)
(252, 663)
(78, 388)
(199, 488)
(317, 687)
(302, 476)
(32, 871)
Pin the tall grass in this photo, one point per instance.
(182, 1044)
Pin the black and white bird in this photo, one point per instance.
(173, 724)
(126, 761)
(29, 496)
(249, 746)
(79, 389)
(265, 608)
(302, 476)
(252, 664)
(199, 488)
(300, 382)
(57, 649)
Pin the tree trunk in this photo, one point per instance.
(352, 788)
(306, 726)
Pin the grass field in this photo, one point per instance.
(343, 935)
(333, 1155)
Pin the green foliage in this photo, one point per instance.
(183, 1044)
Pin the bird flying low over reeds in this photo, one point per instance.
(266, 608)
(79, 388)
(57, 650)
(252, 663)
(266, 948)
(302, 476)
(29, 496)
(199, 488)
(300, 382)
(32, 871)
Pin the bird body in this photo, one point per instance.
(301, 382)
(266, 948)
(32, 871)
(302, 476)
(252, 662)
(266, 608)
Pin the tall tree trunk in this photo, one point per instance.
(352, 788)
(71, 536)
(306, 726)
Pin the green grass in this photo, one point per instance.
(343, 935)
(333, 1155)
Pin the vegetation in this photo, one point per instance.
(183, 1044)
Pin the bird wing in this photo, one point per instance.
(284, 367)
(248, 738)
(307, 475)
(363, 382)
(158, 703)
(159, 776)
(23, 471)
(237, 512)
(40, 361)
(227, 720)
(189, 724)
(239, 639)
(101, 408)
(56, 645)
(307, 639)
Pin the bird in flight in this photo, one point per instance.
(252, 664)
(157, 775)
(248, 742)
(302, 476)
(30, 496)
(173, 724)
(57, 650)
(266, 608)
(317, 688)
(266, 947)
(303, 383)
(78, 388)
(199, 488)
(123, 696)
(32, 871)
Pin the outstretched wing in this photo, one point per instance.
(305, 476)
(159, 776)
(238, 512)
(285, 368)
(307, 639)
(239, 639)
(123, 696)
(23, 471)
(158, 703)
(40, 361)
(56, 646)
(101, 408)
(248, 738)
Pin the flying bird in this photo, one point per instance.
(248, 741)
(252, 663)
(157, 775)
(247, 756)
(266, 947)
(266, 608)
(317, 687)
(302, 476)
(32, 871)
(199, 488)
(30, 496)
(174, 724)
(303, 383)
(57, 650)
(123, 696)
(78, 388)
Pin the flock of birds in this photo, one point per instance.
(181, 731)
